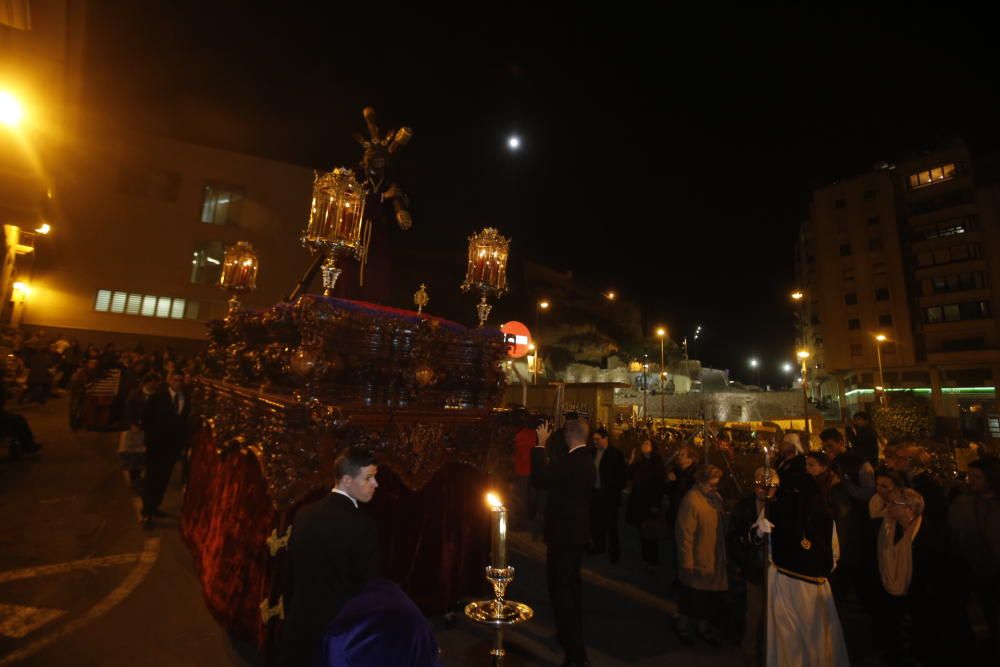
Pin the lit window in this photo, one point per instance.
(935, 175)
(177, 309)
(103, 300)
(144, 305)
(222, 204)
(118, 302)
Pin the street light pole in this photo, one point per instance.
(879, 339)
(539, 307)
(662, 334)
(804, 355)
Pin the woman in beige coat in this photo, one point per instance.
(701, 555)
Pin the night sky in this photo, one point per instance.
(669, 156)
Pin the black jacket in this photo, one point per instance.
(569, 481)
(864, 443)
(746, 549)
(649, 480)
(164, 427)
(612, 473)
(332, 554)
(802, 539)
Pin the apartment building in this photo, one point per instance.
(910, 252)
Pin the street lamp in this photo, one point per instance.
(11, 110)
(799, 297)
(879, 339)
(539, 307)
(610, 295)
(803, 355)
(661, 333)
(754, 364)
(514, 142)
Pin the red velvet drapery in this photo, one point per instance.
(434, 541)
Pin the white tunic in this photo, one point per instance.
(803, 628)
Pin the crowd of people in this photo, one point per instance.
(143, 395)
(854, 526)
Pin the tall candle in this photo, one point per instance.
(498, 530)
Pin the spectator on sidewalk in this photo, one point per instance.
(15, 429)
(132, 447)
(165, 422)
(645, 503)
(701, 555)
(606, 498)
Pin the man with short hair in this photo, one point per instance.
(862, 438)
(569, 480)
(165, 424)
(332, 554)
(606, 498)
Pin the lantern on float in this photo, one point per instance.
(336, 221)
(486, 271)
(239, 272)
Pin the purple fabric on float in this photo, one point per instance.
(380, 627)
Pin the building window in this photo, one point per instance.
(869, 195)
(882, 294)
(872, 221)
(857, 350)
(944, 172)
(958, 282)
(853, 325)
(962, 344)
(947, 255)
(955, 312)
(222, 204)
(851, 298)
(875, 245)
(840, 203)
(206, 265)
(845, 249)
(953, 227)
(145, 305)
(885, 320)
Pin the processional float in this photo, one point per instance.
(286, 388)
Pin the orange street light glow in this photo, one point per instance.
(493, 500)
(11, 111)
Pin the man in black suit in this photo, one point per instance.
(569, 481)
(606, 498)
(165, 423)
(332, 554)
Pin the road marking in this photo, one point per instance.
(525, 545)
(59, 568)
(17, 621)
(146, 560)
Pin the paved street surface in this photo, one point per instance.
(81, 582)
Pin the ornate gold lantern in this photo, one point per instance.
(336, 221)
(486, 271)
(239, 272)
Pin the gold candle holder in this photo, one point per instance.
(239, 272)
(499, 612)
(336, 221)
(486, 269)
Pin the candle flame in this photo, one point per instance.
(493, 500)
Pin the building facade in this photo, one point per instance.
(909, 252)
